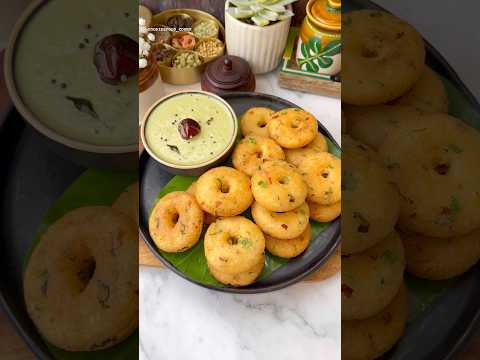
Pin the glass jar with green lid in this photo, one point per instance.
(320, 41)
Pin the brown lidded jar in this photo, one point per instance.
(226, 74)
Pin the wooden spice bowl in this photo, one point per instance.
(148, 75)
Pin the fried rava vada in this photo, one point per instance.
(255, 120)
(295, 156)
(250, 154)
(383, 57)
(285, 225)
(84, 267)
(289, 248)
(293, 128)
(322, 174)
(234, 248)
(224, 191)
(278, 186)
(176, 222)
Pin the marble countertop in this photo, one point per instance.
(182, 321)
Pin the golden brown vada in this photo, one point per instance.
(176, 222)
(286, 225)
(293, 128)
(253, 151)
(224, 191)
(278, 186)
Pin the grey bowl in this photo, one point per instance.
(197, 169)
(121, 157)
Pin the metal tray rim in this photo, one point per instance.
(31, 344)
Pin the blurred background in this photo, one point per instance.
(437, 21)
(450, 28)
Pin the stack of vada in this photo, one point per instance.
(373, 257)
(411, 181)
(288, 194)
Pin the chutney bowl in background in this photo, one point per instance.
(189, 132)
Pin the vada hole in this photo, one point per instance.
(442, 169)
(369, 53)
(232, 241)
(262, 124)
(86, 272)
(80, 266)
(225, 188)
(175, 217)
(325, 175)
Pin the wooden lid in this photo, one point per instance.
(228, 73)
(325, 14)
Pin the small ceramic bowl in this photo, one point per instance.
(123, 157)
(196, 169)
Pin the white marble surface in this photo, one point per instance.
(182, 321)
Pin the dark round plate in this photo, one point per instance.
(24, 155)
(153, 178)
